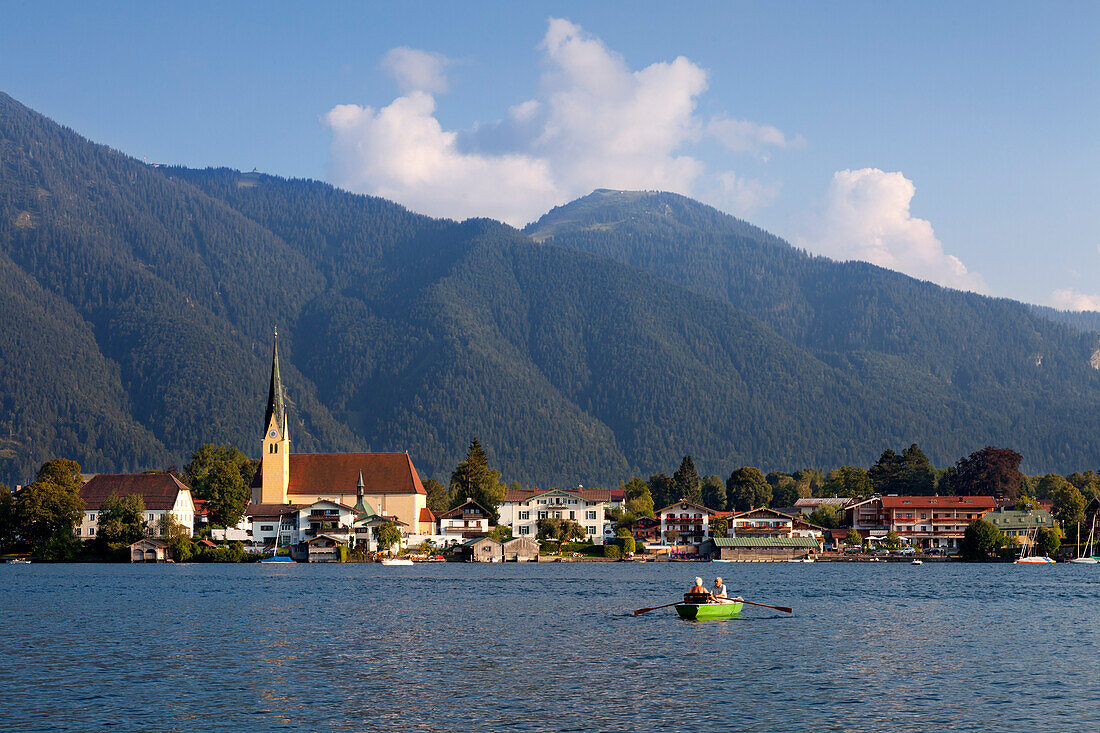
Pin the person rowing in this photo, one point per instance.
(719, 589)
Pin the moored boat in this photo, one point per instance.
(699, 607)
(397, 561)
(1034, 560)
(277, 558)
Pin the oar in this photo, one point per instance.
(640, 611)
(784, 609)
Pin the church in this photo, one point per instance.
(382, 484)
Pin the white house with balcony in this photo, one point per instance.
(522, 508)
(466, 521)
(685, 523)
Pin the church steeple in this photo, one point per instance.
(276, 403)
(275, 464)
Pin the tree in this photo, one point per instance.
(387, 535)
(8, 522)
(746, 489)
(500, 533)
(638, 499)
(714, 493)
(849, 481)
(559, 531)
(686, 482)
(176, 535)
(437, 500)
(209, 455)
(662, 490)
(853, 538)
(628, 543)
(474, 479)
(784, 489)
(224, 488)
(121, 520)
(989, 471)
(808, 482)
(51, 505)
(1047, 541)
(893, 540)
(671, 535)
(827, 516)
(1069, 505)
(1025, 503)
(908, 474)
(719, 528)
(980, 541)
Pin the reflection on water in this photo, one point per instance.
(547, 647)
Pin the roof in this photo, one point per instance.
(520, 495)
(269, 511)
(276, 405)
(474, 540)
(426, 515)
(327, 473)
(160, 545)
(158, 490)
(816, 501)
(1004, 519)
(938, 502)
(764, 542)
(764, 510)
(459, 510)
(689, 503)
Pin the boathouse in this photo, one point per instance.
(149, 550)
(759, 549)
(480, 549)
(521, 549)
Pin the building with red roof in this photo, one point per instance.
(386, 484)
(162, 493)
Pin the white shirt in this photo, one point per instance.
(719, 591)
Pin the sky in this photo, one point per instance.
(956, 141)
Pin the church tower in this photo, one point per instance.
(275, 463)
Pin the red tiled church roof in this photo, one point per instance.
(327, 473)
(157, 490)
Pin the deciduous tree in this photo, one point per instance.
(437, 499)
(121, 520)
(746, 488)
(714, 493)
(989, 471)
(51, 505)
(980, 541)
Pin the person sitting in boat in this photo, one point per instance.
(719, 589)
(698, 587)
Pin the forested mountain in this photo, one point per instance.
(137, 305)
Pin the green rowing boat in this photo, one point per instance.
(708, 611)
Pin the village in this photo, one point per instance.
(336, 507)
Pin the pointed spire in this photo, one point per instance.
(276, 405)
(359, 486)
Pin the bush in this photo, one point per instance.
(628, 544)
(342, 554)
(612, 551)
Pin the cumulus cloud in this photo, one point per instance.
(1068, 299)
(417, 71)
(867, 218)
(593, 123)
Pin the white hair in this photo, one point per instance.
(698, 581)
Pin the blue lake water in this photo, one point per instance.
(547, 647)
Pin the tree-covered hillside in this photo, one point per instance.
(138, 304)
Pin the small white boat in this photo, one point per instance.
(397, 561)
(917, 562)
(1086, 560)
(1033, 560)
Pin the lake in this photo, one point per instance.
(548, 647)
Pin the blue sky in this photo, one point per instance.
(954, 141)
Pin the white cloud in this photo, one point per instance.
(867, 218)
(1068, 299)
(594, 123)
(417, 71)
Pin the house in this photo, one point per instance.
(934, 521)
(320, 548)
(480, 549)
(149, 550)
(802, 528)
(759, 549)
(522, 508)
(163, 495)
(388, 482)
(810, 504)
(1021, 524)
(520, 549)
(685, 522)
(646, 529)
(761, 522)
(867, 516)
(466, 521)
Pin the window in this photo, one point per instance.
(266, 527)
(590, 515)
(590, 530)
(91, 532)
(572, 515)
(542, 515)
(91, 517)
(78, 531)
(524, 515)
(525, 530)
